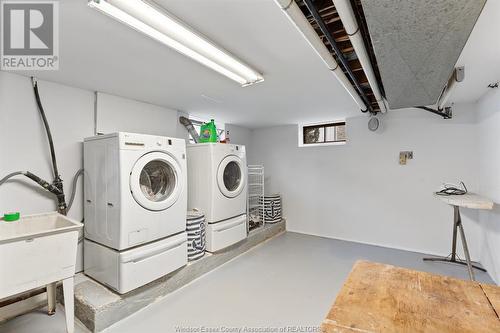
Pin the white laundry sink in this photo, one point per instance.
(35, 251)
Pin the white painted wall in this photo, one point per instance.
(23, 143)
(359, 192)
(70, 111)
(489, 170)
(239, 135)
(116, 113)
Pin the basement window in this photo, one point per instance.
(322, 134)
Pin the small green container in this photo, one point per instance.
(11, 217)
(208, 132)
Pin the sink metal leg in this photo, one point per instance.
(69, 304)
(51, 298)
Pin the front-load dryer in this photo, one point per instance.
(135, 199)
(217, 182)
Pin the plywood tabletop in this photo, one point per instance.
(385, 298)
(468, 200)
(493, 294)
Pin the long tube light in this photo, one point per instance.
(346, 14)
(166, 29)
(295, 15)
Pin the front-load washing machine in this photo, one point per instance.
(217, 181)
(135, 208)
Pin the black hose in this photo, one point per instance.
(62, 207)
(47, 128)
(43, 183)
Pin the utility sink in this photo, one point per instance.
(35, 251)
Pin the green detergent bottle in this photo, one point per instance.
(208, 132)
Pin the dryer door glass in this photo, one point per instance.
(157, 180)
(232, 176)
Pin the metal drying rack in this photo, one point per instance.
(255, 204)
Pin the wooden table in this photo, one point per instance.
(385, 298)
(471, 201)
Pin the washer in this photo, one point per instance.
(217, 178)
(135, 208)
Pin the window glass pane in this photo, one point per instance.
(340, 133)
(157, 180)
(232, 176)
(314, 134)
(330, 133)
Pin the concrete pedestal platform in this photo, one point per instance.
(97, 307)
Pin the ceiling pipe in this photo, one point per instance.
(457, 76)
(446, 113)
(348, 18)
(324, 29)
(295, 15)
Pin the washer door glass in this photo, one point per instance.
(154, 181)
(157, 180)
(231, 176)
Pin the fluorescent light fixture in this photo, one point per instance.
(165, 28)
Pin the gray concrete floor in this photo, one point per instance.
(287, 281)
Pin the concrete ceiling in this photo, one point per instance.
(417, 43)
(98, 53)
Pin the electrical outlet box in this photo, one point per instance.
(404, 156)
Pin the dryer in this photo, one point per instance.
(217, 182)
(135, 208)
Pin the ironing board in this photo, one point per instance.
(471, 201)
